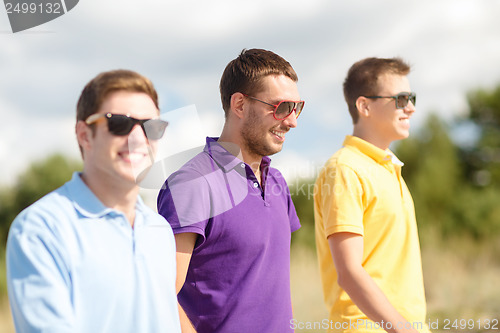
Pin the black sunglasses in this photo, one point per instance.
(284, 108)
(402, 99)
(120, 124)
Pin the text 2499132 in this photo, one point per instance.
(33, 8)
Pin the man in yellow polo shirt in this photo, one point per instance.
(366, 233)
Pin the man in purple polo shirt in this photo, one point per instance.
(232, 213)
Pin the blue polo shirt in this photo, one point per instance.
(74, 265)
(239, 275)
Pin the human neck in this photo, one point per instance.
(371, 137)
(254, 161)
(234, 144)
(116, 195)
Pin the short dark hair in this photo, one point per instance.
(362, 79)
(245, 73)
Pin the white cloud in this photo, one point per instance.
(29, 138)
(183, 46)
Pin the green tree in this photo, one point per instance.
(432, 170)
(302, 192)
(39, 179)
(483, 158)
(444, 196)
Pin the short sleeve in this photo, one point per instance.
(184, 201)
(342, 200)
(39, 283)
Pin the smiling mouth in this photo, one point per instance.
(133, 157)
(279, 134)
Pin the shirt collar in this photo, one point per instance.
(86, 202)
(225, 159)
(379, 155)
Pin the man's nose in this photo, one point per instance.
(137, 134)
(291, 120)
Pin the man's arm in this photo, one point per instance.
(185, 244)
(38, 283)
(347, 252)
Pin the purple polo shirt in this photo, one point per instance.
(239, 276)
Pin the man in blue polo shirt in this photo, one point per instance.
(91, 256)
(231, 213)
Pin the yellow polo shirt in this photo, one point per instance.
(360, 190)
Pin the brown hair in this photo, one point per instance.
(105, 83)
(245, 73)
(362, 79)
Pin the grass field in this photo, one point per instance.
(6, 324)
(461, 278)
(462, 281)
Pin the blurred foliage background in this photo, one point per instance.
(453, 172)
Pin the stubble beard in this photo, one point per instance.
(255, 138)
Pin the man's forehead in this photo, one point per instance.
(393, 83)
(278, 87)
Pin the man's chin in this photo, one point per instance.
(142, 175)
(275, 149)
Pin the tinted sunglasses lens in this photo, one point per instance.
(299, 108)
(120, 124)
(154, 128)
(403, 99)
(283, 110)
(413, 99)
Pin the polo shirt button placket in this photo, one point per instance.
(256, 187)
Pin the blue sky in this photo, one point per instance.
(183, 46)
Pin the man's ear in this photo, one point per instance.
(237, 103)
(83, 135)
(363, 106)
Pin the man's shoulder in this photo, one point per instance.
(275, 172)
(346, 156)
(346, 161)
(199, 165)
(188, 181)
(46, 212)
